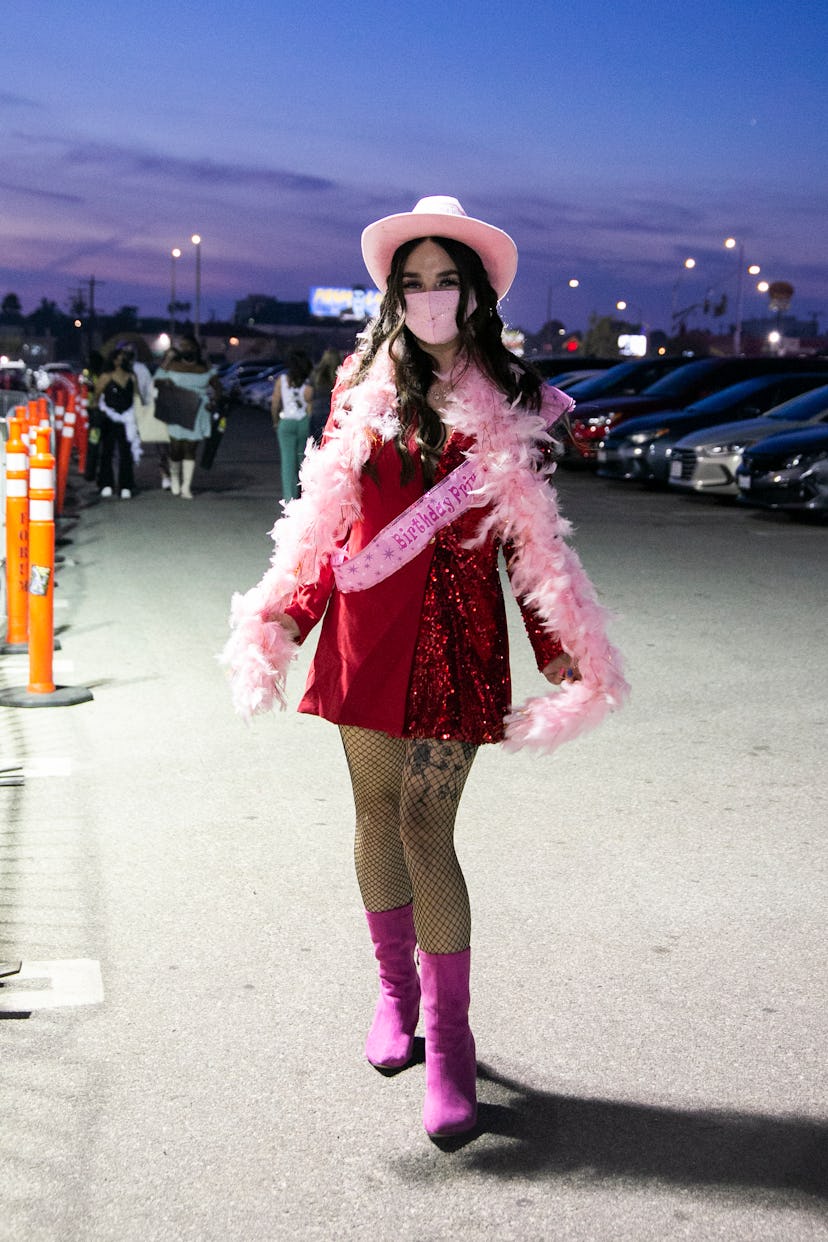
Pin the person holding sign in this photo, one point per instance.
(186, 388)
(436, 455)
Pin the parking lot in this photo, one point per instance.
(648, 943)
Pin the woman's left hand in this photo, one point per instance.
(563, 668)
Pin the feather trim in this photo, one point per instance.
(258, 654)
(545, 572)
(507, 443)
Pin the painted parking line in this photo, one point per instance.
(46, 765)
(20, 665)
(52, 985)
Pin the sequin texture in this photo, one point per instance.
(460, 683)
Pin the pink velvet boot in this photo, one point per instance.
(451, 1066)
(391, 1037)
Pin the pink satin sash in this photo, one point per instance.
(404, 538)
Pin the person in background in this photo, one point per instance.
(93, 369)
(290, 411)
(437, 453)
(143, 376)
(115, 391)
(323, 382)
(185, 367)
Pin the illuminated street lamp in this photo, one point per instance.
(732, 244)
(175, 253)
(623, 305)
(550, 289)
(636, 343)
(687, 266)
(196, 240)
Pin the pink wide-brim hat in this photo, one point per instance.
(439, 216)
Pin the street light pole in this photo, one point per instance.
(687, 266)
(175, 253)
(196, 240)
(622, 304)
(731, 244)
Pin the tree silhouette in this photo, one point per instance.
(11, 310)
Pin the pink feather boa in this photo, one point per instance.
(546, 573)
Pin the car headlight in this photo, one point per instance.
(644, 437)
(720, 450)
(803, 459)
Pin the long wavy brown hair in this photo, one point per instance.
(415, 370)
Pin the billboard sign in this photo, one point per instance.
(356, 304)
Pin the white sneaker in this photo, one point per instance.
(106, 493)
(126, 494)
(165, 483)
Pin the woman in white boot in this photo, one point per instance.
(437, 454)
(185, 367)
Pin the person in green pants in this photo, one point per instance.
(290, 411)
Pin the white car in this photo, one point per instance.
(707, 461)
(259, 392)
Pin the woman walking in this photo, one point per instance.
(323, 381)
(290, 411)
(437, 453)
(115, 393)
(186, 371)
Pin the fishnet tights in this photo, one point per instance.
(406, 794)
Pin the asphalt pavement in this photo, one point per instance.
(181, 1053)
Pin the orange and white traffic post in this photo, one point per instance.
(17, 536)
(82, 427)
(67, 439)
(41, 566)
(41, 690)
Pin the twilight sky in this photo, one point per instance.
(612, 140)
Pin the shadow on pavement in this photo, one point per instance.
(557, 1134)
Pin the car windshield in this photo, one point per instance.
(806, 408)
(598, 385)
(728, 397)
(677, 382)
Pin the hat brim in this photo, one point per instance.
(497, 251)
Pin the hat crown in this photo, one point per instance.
(438, 205)
(439, 215)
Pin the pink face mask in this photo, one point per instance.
(432, 317)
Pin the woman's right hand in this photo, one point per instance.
(288, 625)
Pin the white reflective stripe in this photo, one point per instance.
(53, 985)
(16, 461)
(41, 480)
(68, 432)
(41, 510)
(15, 488)
(70, 417)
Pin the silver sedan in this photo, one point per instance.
(706, 461)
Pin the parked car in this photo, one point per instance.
(233, 376)
(568, 379)
(259, 391)
(592, 420)
(625, 379)
(706, 461)
(550, 367)
(788, 471)
(642, 449)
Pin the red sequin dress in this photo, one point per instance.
(424, 653)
